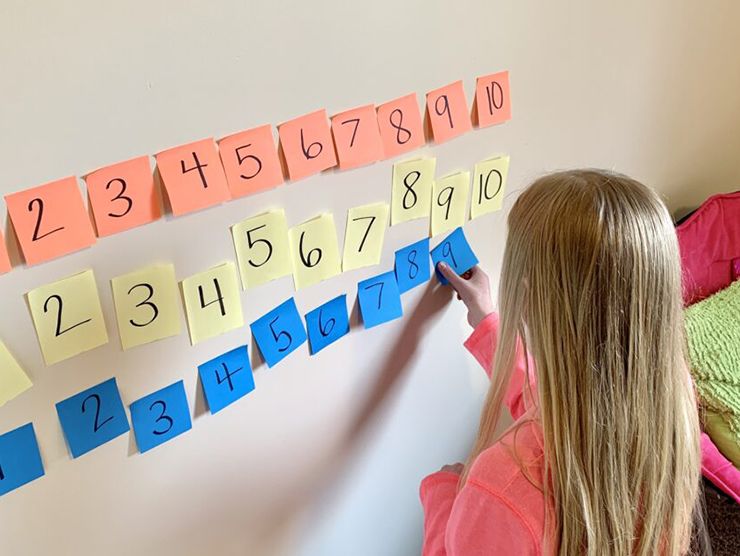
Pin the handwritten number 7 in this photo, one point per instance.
(380, 291)
(354, 131)
(162, 417)
(370, 225)
(58, 330)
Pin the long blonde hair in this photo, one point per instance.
(591, 284)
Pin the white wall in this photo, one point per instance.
(648, 88)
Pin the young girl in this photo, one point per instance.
(604, 456)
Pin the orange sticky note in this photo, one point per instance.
(307, 145)
(193, 176)
(357, 137)
(492, 99)
(122, 196)
(250, 161)
(50, 220)
(448, 112)
(401, 128)
(5, 265)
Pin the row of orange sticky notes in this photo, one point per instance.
(51, 220)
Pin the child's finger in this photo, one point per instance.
(455, 281)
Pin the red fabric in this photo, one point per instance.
(710, 247)
(718, 469)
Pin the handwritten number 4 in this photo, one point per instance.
(228, 376)
(198, 166)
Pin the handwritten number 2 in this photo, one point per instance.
(96, 424)
(58, 330)
(120, 197)
(162, 417)
(40, 204)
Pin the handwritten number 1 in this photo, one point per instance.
(162, 417)
(483, 185)
(38, 202)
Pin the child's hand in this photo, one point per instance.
(456, 468)
(474, 289)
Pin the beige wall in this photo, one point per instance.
(649, 88)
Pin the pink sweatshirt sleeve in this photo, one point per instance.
(482, 345)
(438, 493)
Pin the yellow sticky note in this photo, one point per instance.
(315, 251)
(13, 380)
(450, 202)
(489, 185)
(363, 239)
(212, 302)
(412, 189)
(147, 305)
(262, 248)
(68, 317)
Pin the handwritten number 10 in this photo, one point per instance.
(483, 185)
(491, 91)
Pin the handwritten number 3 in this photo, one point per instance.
(147, 302)
(162, 417)
(120, 197)
(38, 202)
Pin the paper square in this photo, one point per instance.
(364, 235)
(379, 299)
(489, 185)
(411, 191)
(307, 145)
(412, 265)
(13, 379)
(401, 127)
(262, 248)
(493, 99)
(20, 459)
(160, 416)
(5, 265)
(315, 251)
(279, 332)
(327, 323)
(356, 137)
(226, 378)
(251, 161)
(448, 112)
(456, 252)
(450, 202)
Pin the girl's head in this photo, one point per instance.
(591, 282)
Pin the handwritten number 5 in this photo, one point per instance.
(162, 417)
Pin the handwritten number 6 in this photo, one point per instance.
(96, 425)
(162, 417)
(326, 327)
(307, 150)
(36, 229)
(120, 197)
(58, 330)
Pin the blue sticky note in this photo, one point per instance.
(226, 378)
(412, 265)
(380, 299)
(160, 416)
(279, 332)
(20, 460)
(92, 417)
(456, 252)
(327, 323)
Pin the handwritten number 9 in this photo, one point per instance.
(241, 159)
(96, 425)
(162, 417)
(447, 252)
(449, 192)
(251, 243)
(413, 267)
(58, 330)
(306, 259)
(120, 197)
(442, 107)
(398, 126)
(282, 334)
(40, 204)
(147, 302)
(326, 327)
(415, 175)
(307, 150)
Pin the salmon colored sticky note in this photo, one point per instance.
(251, 161)
(315, 251)
(450, 202)
(212, 302)
(400, 124)
(356, 137)
(50, 220)
(262, 248)
(147, 305)
(122, 196)
(492, 99)
(68, 317)
(363, 238)
(448, 112)
(13, 380)
(489, 185)
(5, 265)
(307, 145)
(193, 176)
(411, 195)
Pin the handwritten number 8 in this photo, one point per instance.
(162, 417)
(447, 201)
(443, 108)
(58, 330)
(415, 175)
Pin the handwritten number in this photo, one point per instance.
(380, 291)
(306, 259)
(120, 197)
(251, 243)
(491, 91)
(444, 108)
(354, 131)
(283, 334)
(2, 475)
(447, 252)
(370, 225)
(96, 425)
(228, 376)
(198, 166)
(448, 201)
(155, 310)
(162, 417)
(413, 267)
(307, 150)
(219, 298)
(326, 327)
(241, 159)
(398, 126)
(58, 331)
(410, 189)
(483, 185)
(36, 229)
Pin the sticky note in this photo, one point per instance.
(251, 161)
(147, 305)
(357, 137)
(279, 332)
(489, 185)
(122, 196)
(50, 220)
(13, 380)
(68, 317)
(450, 202)
(492, 99)
(379, 299)
(364, 235)
(327, 323)
(92, 417)
(193, 176)
(262, 248)
(412, 265)
(315, 251)
(456, 252)
(307, 145)
(400, 124)
(411, 194)
(448, 112)
(20, 459)
(160, 416)
(226, 378)
(5, 265)
(212, 302)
